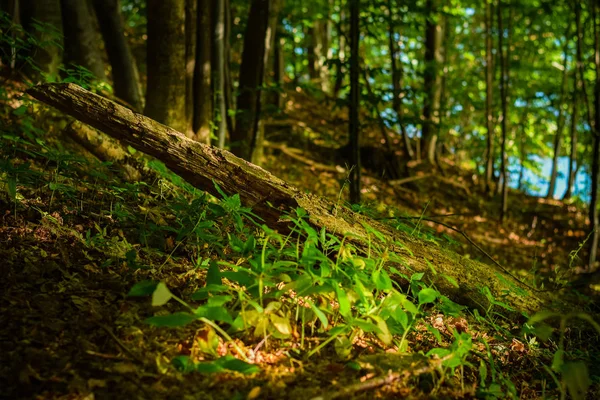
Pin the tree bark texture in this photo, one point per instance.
(203, 95)
(268, 65)
(126, 80)
(251, 80)
(354, 125)
(191, 41)
(558, 136)
(82, 44)
(432, 81)
(219, 67)
(593, 212)
(165, 97)
(271, 198)
(504, 79)
(397, 75)
(489, 100)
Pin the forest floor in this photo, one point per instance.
(76, 237)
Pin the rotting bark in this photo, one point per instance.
(270, 198)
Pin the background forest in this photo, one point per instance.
(430, 128)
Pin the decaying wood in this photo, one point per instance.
(270, 197)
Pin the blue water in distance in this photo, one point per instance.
(538, 186)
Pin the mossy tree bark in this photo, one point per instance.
(271, 198)
(165, 97)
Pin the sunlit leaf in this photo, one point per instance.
(161, 295)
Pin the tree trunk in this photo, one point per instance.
(47, 58)
(191, 44)
(593, 212)
(219, 72)
(270, 37)
(317, 53)
(271, 198)
(432, 82)
(489, 82)
(202, 88)
(229, 98)
(561, 119)
(341, 57)
(572, 171)
(504, 56)
(397, 72)
(126, 80)
(354, 125)
(82, 44)
(165, 96)
(243, 139)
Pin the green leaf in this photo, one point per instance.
(143, 288)
(214, 314)
(320, 314)
(209, 367)
(427, 295)
(342, 301)
(11, 188)
(401, 317)
(161, 295)
(233, 364)
(213, 276)
(382, 280)
(558, 360)
(576, 376)
(541, 316)
(452, 281)
(172, 320)
(183, 364)
(483, 372)
(343, 347)
(417, 276)
(384, 332)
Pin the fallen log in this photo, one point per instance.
(271, 197)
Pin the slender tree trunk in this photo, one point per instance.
(317, 53)
(504, 56)
(489, 84)
(82, 44)
(191, 44)
(593, 214)
(341, 56)
(432, 82)
(572, 169)
(202, 92)
(165, 96)
(271, 34)
(220, 71)
(397, 81)
(243, 139)
(126, 80)
(229, 98)
(561, 119)
(278, 70)
(354, 126)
